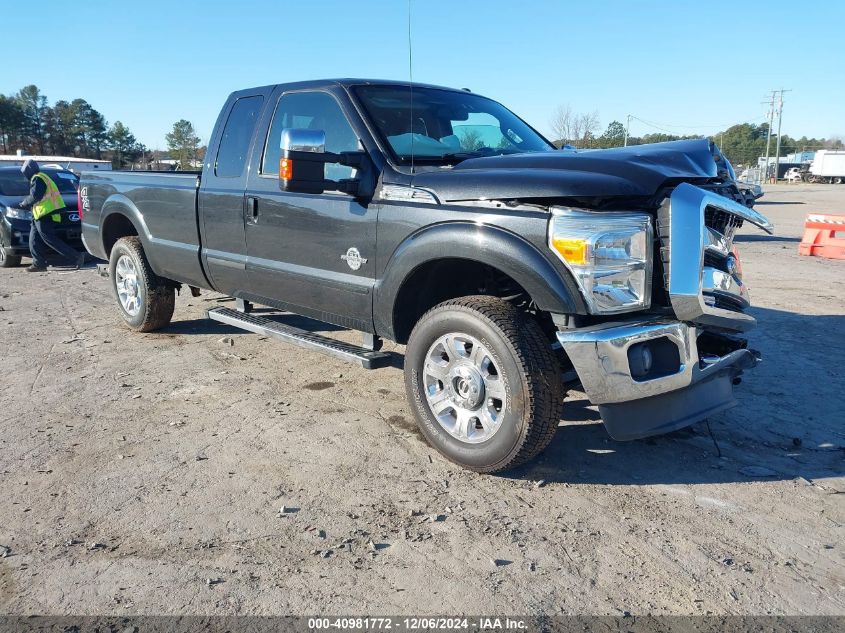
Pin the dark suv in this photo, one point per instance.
(16, 222)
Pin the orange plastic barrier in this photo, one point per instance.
(820, 236)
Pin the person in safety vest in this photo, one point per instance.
(46, 202)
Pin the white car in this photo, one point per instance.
(793, 174)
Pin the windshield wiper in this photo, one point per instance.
(484, 151)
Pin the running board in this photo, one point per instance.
(369, 359)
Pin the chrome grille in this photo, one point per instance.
(721, 221)
(696, 230)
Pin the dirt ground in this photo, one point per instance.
(145, 473)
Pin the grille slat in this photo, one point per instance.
(719, 220)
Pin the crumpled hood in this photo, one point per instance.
(638, 170)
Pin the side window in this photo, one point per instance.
(237, 133)
(311, 111)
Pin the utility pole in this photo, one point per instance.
(627, 130)
(780, 117)
(771, 103)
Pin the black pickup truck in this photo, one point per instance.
(437, 218)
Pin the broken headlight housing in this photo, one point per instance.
(609, 255)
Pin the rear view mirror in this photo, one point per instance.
(302, 165)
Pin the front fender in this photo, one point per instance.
(551, 290)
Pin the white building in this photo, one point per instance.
(66, 162)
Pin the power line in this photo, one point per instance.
(661, 127)
(686, 127)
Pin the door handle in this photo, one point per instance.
(252, 209)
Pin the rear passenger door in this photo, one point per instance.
(311, 253)
(221, 199)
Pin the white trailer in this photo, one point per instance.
(828, 166)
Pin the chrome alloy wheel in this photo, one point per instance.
(464, 388)
(126, 282)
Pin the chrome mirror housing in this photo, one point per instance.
(300, 140)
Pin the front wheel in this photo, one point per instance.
(146, 300)
(484, 383)
(6, 260)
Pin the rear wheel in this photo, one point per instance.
(483, 382)
(6, 260)
(146, 301)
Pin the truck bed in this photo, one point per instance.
(159, 204)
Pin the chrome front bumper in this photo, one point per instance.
(683, 387)
(647, 376)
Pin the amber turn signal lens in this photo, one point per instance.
(574, 251)
(285, 169)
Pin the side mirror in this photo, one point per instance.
(299, 140)
(302, 165)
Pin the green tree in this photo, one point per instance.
(34, 106)
(59, 126)
(96, 128)
(183, 143)
(614, 135)
(80, 127)
(123, 145)
(470, 140)
(11, 124)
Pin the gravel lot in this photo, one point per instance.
(172, 473)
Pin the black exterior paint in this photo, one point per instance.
(246, 238)
(636, 171)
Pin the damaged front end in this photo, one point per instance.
(657, 374)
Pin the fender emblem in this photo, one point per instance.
(354, 259)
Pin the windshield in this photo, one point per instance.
(13, 182)
(445, 126)
(66, 181)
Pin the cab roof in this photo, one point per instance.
(344, 83)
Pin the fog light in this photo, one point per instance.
(640, 359)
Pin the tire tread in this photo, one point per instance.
(544, 391)
(160, 292)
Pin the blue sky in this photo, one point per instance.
(689, 66)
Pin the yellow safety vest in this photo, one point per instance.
(52, 200)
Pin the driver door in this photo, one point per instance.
(301, 248)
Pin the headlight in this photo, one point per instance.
(18, 214)
(608, 253)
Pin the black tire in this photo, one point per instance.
(157, 295)
(8, 261)
(526, 363)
